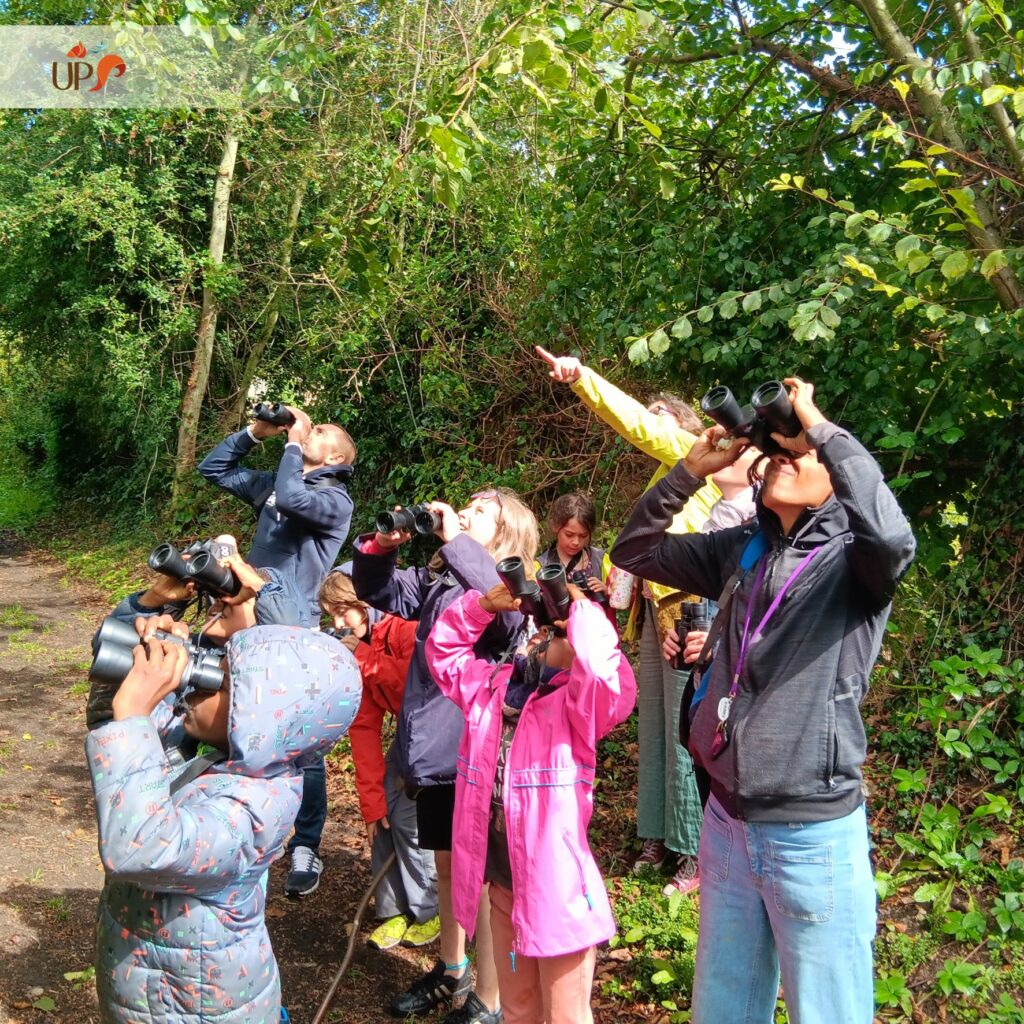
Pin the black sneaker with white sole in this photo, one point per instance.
(473, 1011)
(433, 989)
(304, 877)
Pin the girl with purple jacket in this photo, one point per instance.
(524, 796)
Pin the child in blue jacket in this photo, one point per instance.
(181, 936)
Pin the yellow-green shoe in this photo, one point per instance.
(388, 933)
(422, 934)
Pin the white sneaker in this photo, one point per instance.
(304, 877)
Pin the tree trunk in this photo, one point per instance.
(944, 129)
(234, 415)
(195, 389)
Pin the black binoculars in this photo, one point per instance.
(414, 519)
(770, 411)
(582, 580)
(201, 568)
(114, 658)
(274, 412)
(338, 634)
(696, 618)
(545, 599)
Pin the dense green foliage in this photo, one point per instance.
(683, 194)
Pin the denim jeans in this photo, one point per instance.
(309, 822)
(799, 897)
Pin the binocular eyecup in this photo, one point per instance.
(545, 599)
(770, 411)
(201, 567)
(274, 412)
(115, 657)
(419, 519)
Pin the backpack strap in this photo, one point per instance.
(194, 768)
(696, 684)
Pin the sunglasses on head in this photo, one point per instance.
(490, 495)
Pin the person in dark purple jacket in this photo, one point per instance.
(495, 525)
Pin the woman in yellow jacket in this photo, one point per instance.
(668, 805)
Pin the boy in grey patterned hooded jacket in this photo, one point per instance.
(181, 935)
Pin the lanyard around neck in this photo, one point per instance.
(748, 638)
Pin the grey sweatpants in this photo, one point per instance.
(410, 886)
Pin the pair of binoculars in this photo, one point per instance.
(115, 657)
(770, 411)
(546, 598)
(414, 519)
(274, 412)
(696, 618)
(201, 568)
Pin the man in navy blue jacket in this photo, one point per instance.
(304, 511)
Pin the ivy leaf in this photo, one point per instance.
(682, 328)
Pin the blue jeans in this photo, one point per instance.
(309, 822)
(795, 896)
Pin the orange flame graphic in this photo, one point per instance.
(77, 51)
(111, 62)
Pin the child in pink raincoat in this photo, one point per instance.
(524, 796)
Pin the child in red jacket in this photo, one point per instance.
(406, 900)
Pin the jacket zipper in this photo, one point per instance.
(579, 869)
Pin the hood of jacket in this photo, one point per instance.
(294, 693)
(814, 526)
(339, 473)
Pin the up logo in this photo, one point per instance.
(77, 71)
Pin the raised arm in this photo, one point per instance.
(660, 437)
(693, 562)
(221, 467)
(382, 585)
(883, 545)
(197, 848)
(602, 687)
(456, 669)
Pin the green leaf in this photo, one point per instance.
(601, 100)
(658, 342)
(638, 353)
(752, 302)
(536, 55)
(667, 184)
(993, 262)
(829, 317)
(682, 328)
(662, 977)
(635, 934)
(45, 1003)
(651, 127)
(955, 265)
(917, 185)
(906, 245)
(995, 93)
(727, 310)
(705, 314)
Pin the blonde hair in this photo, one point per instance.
(517, 532)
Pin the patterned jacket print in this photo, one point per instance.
(181, 937)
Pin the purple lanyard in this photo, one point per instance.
(747, 639)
